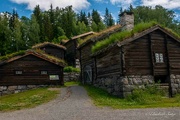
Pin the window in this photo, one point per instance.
(159, 58)
(18, 72)
(44, 72)
(54, 77)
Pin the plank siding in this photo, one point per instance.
(109, 62)
(31, 68)
(71, 52)
(137, 57)
(174, 55)
(159, 46)
(60, 53)
(87, 60)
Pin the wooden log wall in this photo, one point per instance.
(71, 52)
(174, 55)
(137, 57)
(159, 46)
(58, 52)
(87, 60)
(31, 68)
(109, 62)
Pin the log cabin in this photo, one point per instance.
(72, 56)
(149, 56)
(52, 49)
(31, 68)
(84, 49)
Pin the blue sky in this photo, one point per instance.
(25, 7)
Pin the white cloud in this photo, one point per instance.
(102, 1)
(45, 4)
(123, 3)
(169, 4)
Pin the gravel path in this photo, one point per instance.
(74, 104)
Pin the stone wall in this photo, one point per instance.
(6, 90)
(123, 85)
(71, 76)
(175, 83)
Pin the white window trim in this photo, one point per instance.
(18, 72)
(159, 58)
(44, 72)
(54, 77)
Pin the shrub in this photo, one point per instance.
(71, 69)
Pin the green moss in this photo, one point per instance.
(35, 51)
(120, 36)
(9, 56)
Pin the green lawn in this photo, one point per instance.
(27, 99)
(102, 99)
(72, 83)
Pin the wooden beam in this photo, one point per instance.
(168, 65)
(151, 53)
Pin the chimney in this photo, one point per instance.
(127, 20)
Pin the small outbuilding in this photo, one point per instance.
(31, 68)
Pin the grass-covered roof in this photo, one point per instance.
(123, 35)
(36, 52)
(40, 45)
(97, 36)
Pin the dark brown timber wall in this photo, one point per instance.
(55, 51)
(31, 68)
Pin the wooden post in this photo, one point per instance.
(95, 68)
(151, 53)
(121, 61)
(168, 65)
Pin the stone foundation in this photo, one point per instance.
(123, 85)
(71, 76)
(6, 90)
(175, 83)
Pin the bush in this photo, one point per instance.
(71, 69)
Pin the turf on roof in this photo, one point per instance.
(83, 41)
(35, 51)
(120, 36)
(48, 43)
(9, 56)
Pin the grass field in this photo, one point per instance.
(140, 99)
(27, 99)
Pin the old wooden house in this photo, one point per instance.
(52, 49)
(86, 61)
(148, 56)
(32, 68)
(72, 56)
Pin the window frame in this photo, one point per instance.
(159, 57)
(41, 72)
(54, 77)
(18, 72)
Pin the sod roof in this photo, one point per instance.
(99, 36)
(123, 37)
(78, 37)
(38, 53)
(40, 45)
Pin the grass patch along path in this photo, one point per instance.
(27, 99)
(103, 99)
